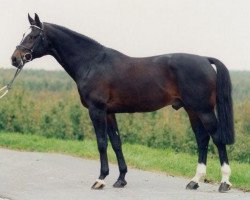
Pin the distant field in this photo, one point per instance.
(47, 104)
(161, 160)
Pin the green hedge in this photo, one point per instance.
(47, 103)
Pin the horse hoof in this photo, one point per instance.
(192, 185)
(99, 184)
(120, 183)
(224, 187)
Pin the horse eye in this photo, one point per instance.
(33, 37)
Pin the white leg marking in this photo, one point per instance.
(200, 172)
(98, 184)
(101, 182)
(226, 172)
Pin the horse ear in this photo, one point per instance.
(37, 20)
(30, 19)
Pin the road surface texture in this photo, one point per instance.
(46, 176)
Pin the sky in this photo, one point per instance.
(139, 28)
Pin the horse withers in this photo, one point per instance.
(110, 82)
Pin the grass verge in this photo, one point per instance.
(137, 156)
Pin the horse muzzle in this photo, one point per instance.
(17, 62)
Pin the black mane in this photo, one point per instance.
(76, 34)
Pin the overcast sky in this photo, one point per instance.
(218, 28)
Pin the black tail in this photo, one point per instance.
(224, 103)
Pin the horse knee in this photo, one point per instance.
(116, 149)
(102, 146)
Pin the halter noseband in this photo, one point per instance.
(28, 56)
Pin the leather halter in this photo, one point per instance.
(30, 52)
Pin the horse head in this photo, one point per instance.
(33, 44)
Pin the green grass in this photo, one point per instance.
(137, 156)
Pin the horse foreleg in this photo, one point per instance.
(99, 121)
(115, 140)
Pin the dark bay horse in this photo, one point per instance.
(110, 82)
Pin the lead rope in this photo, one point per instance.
(7, 87)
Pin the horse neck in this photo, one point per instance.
(72, 50)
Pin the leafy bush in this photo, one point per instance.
(47, 103)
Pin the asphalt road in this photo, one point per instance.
(46, 176)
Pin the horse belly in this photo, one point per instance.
(147, 85)
(143, 101)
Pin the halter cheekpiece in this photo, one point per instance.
(28, 56)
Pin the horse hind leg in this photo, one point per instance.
(225, 168)
(202, 138)
(210, 123)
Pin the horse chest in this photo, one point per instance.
(93, 93)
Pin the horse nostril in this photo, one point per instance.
(13, 59)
